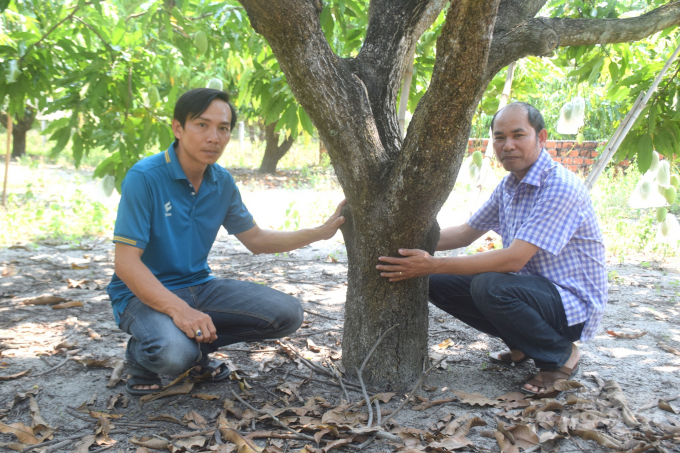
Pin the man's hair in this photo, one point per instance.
(533, 115)
(194, 102)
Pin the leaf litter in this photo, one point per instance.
(203, 417)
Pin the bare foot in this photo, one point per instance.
(144, 387)
(571, 363)
(214, 373)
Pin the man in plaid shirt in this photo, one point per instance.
(547, 287)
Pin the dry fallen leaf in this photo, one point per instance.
(76, 267)
(445, 344)
(151, 442)
(94, 335)
(244, 445)
(179, 390)
(84, 444)
(23, 433)
(194, 420)
(191, 443)
(667, 407)
(9, 271)
(44, 300)
(165, 418)
(628, 336)
(71, 304)
(475, 398)
(117, 373)
(14, 376)
(450, 443)
(337, 444)
(670, 349)
(205, 396)
(598, 437)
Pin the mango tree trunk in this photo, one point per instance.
(395, 187)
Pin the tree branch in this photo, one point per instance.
(540, 36)
(513, 12)
(336, 99)
(434, 144)
(54, 27)
(394, 28)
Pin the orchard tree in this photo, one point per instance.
(395, 187)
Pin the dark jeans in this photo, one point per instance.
(525, 311)
(241, 311)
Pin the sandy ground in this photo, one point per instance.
(644, 298)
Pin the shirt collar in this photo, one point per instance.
(535, 174)
(176, 171)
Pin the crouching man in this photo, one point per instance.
(163, 294)
(547, 287)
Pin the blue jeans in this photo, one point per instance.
(240, 311)
(525, 311)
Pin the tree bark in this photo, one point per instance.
(19, 130)
(396, 187)
(274, 152)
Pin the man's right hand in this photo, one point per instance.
(190, 321)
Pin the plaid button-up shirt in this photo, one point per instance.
(551, 209)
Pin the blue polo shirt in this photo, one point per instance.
(162, 214)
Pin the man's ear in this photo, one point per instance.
(177, 129)
(542, 138)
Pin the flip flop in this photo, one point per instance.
(505, 358)
(546, 379)
(208, 367)
(142, 380)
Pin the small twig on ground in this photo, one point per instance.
(63, 362)
(136, 425)
(415, 389)
(205, 432)
(273, 417)
(55, 447)
(65, 439)
(365, 444)
(377, 411)
(307, 363)
(361, 379)
(318, 314)
(77, 415)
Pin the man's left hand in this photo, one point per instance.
(330, 226)
(416, 264)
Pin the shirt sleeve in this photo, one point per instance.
(486, 218)
(238, 219)
(555, 217)
(133, 222)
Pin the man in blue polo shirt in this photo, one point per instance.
(547, 287)
(163, 293)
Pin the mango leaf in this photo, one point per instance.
(644, 152)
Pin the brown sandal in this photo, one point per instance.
(546, 379)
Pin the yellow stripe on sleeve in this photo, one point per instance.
(124, 240)
(167, 157)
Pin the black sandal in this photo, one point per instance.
(141, 376)
(208, 367)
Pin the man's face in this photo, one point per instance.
(203, 138)
(515, 142)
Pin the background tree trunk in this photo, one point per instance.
(19, 130)
(274, 152)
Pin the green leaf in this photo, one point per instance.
(3, 5)
(77, 149)
(651, 119)
(306, 122)
(614, 71)
(644, 152)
